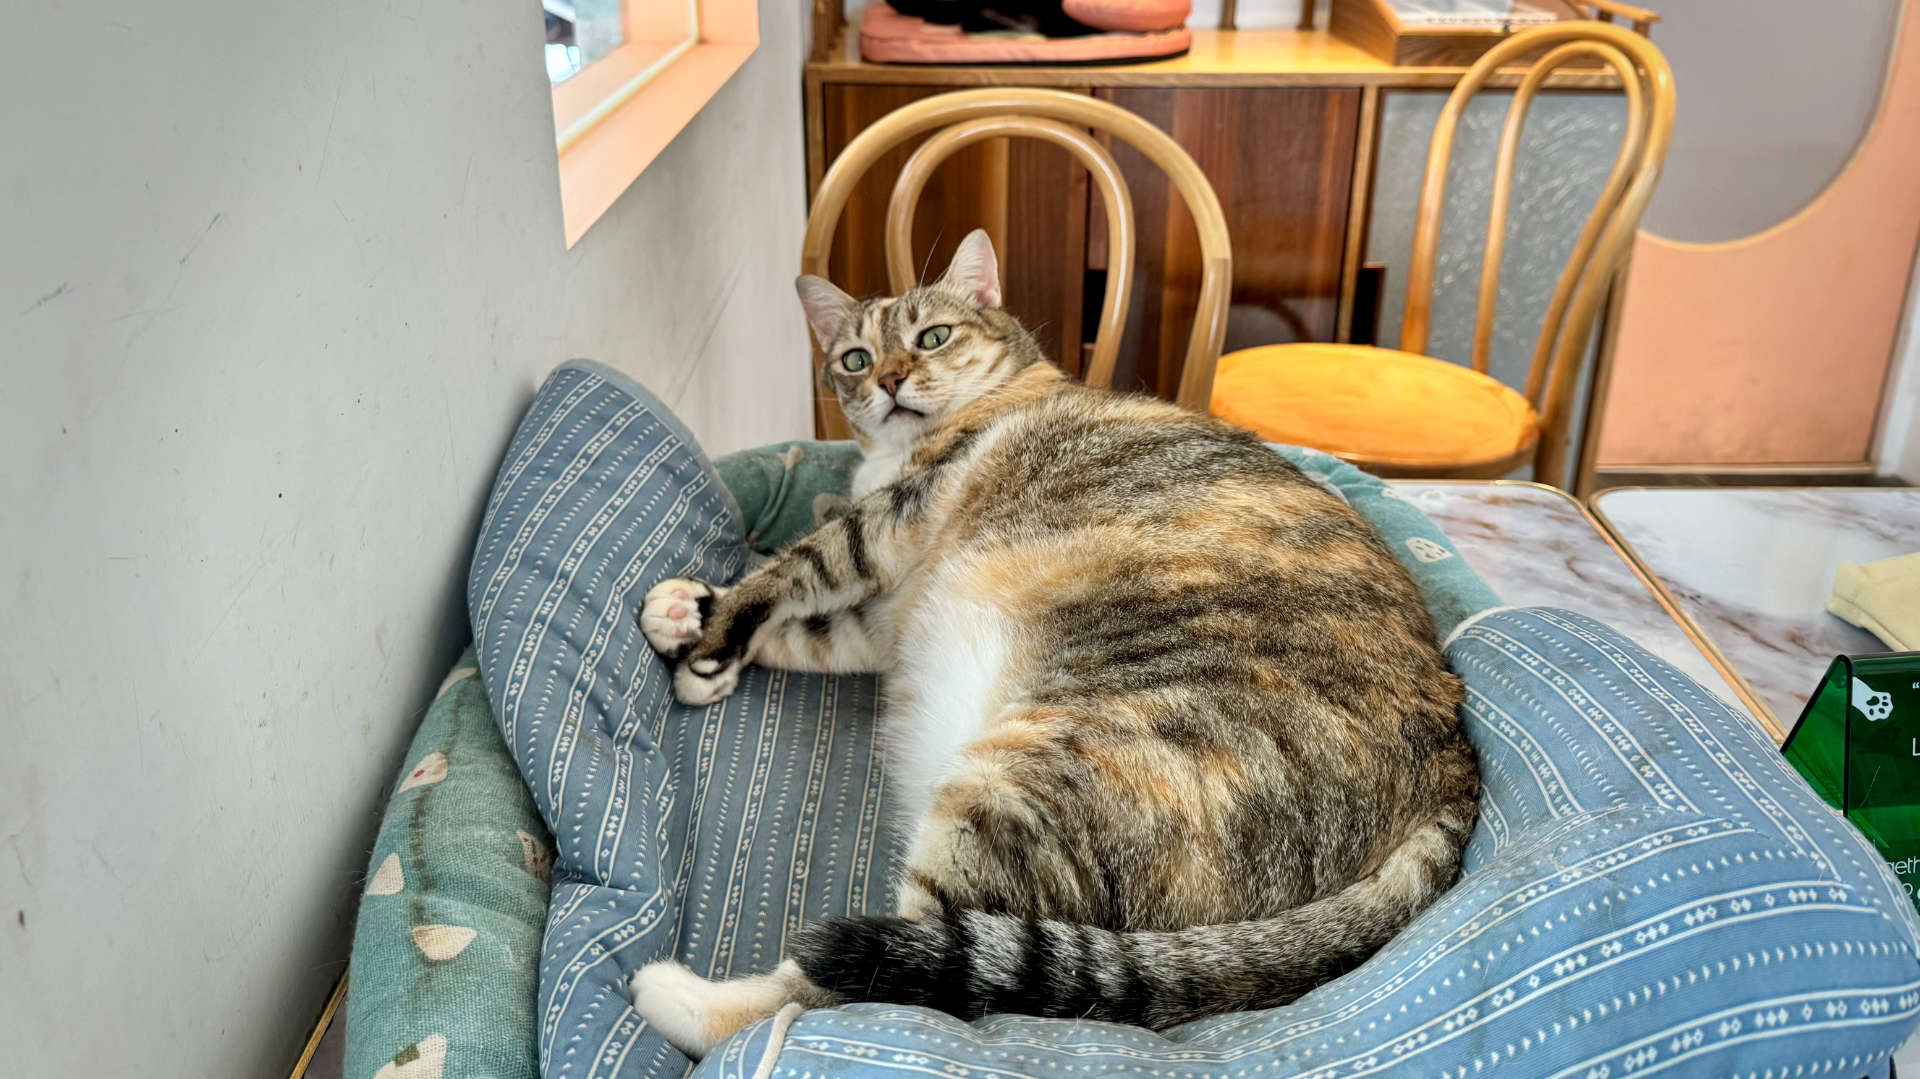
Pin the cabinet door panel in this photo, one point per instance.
(1281, 161)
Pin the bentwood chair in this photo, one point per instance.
(965, 117)
(1399, 412)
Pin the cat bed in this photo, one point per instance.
(887, 36)
(1649, 890)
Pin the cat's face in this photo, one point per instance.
(900, 365)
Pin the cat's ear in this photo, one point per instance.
(826, 306)
(974, 270)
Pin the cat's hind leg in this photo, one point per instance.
(1003, 831)
(696, 1014)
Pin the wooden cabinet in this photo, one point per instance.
(1281, 161)
(1284, 123)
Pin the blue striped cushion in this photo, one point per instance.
(1649, 890)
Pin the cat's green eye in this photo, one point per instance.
(856, 360)
(935, 336)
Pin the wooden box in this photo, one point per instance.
(1380, 28)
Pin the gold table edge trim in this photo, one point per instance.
(1597, 520)
(1775, 728)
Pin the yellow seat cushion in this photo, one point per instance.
(1373, 405)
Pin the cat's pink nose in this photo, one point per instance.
(891, 382)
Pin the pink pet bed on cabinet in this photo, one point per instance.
(1134, 30)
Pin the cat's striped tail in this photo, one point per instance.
(970, 963)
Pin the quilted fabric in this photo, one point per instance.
(1649, 890)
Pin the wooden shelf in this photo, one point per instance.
(1224, 58)
(1284, 123)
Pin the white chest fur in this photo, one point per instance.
(878, 468)
(946, 686)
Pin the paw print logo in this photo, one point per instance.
(1870, 702)
(1426, 550)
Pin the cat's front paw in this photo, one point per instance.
(673, 612)
(703, 681)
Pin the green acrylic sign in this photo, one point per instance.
(1858, 743)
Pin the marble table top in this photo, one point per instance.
(1536, 546)
(1753, 567)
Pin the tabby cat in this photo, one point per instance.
(1167, 721)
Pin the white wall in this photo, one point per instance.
(276, 280)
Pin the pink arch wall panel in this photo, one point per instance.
(1774, 348)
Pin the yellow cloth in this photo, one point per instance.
(1882, 598)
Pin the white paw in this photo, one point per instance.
(695, 1014)
(672, 1000)
(670, 615)
(705, 681)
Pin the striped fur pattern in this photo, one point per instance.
(1173, 729)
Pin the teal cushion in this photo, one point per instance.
(445, 952)
(788, 489)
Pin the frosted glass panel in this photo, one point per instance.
(1566, 150)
